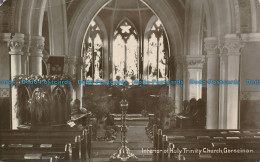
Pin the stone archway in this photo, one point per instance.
(79, 22)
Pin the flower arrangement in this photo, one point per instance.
(39, 106)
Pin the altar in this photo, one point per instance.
(138, 96)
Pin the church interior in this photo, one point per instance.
(130, 80)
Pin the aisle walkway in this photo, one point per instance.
(137, 140)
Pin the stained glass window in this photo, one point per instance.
(93, 53)
(157, 53)
(125, 52)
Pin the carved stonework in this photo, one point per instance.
(244, 96)
(233, 44)
(195, 62)
(211, 46)
(37, 46)
(221, 46)
(4, 92)
(16, 44)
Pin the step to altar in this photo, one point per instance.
(137, 141)
(106, 160)
(108, 153)
(104, 145)
(132, 119)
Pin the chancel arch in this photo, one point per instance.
(78, 24)
(75, 25)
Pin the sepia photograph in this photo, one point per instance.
(129, 80)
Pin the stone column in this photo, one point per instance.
(16, 45)
(79, 76)
(179, 87)
(223, 87)
(25, 56)
(233, 46)
(211, 45)
(37, 46)
(71, 65)
(194, 66)
(75, 70)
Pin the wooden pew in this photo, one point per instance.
(206, 139)
(69, 145)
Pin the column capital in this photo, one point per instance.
(233, 44)
(37, 46)
(5, 37)
(16, 44)
(211, 46)
(194, 62)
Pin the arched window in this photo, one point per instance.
(157, 53)
(125, 52)
(93, 53)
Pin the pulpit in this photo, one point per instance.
(43, 105)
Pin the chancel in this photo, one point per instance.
(136, 80)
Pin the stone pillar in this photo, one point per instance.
(211, 45)
(223, 87)
(233, 46)
(194, 66)
(71, 65)
(16, 45)
(75, 70)
(79, 76)
(25, 56)
(172, 76)
(179, 87)
(37, 46)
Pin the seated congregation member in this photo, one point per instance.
(186, 108)
(76, 109)
(190, 109)
(187, 118)
(201, 116)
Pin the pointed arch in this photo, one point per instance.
(125, 51)
(157, 61)
(78, 23)
(126, 19)
(131, 28)
(96, 35)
